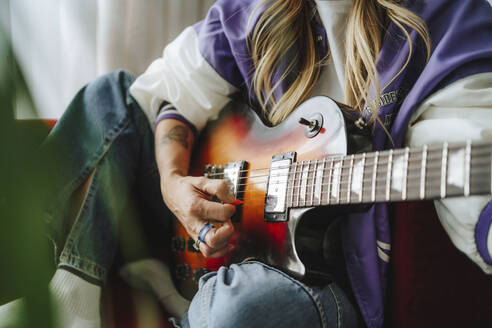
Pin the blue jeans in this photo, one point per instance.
(104, 132)
(252, 294)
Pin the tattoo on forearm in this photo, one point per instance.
(177, 134)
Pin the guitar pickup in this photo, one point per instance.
(276, 195)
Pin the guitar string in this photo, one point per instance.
(354, 198)
(437, 159)
(431, 154)
(480, 187)
(380, 194)
(382, 166)
(291, 176)
(410, 183)
(368, 163)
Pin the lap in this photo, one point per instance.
(252, 294)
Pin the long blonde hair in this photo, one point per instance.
(285, 27)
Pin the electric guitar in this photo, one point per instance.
(284, 171)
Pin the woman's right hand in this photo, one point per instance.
(189, 198)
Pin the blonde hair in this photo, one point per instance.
(285, 27)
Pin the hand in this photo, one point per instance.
(189, 199)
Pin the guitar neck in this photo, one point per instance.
(427, 172)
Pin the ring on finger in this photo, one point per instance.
(203, 232)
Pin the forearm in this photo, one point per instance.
(173, 144)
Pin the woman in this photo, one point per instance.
(426, 54)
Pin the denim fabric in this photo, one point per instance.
(252, 294)
(102, 131)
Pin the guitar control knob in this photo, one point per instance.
(183, 271)
(313, 125)
(177, 244)
(303, 121)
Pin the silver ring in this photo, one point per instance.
(203, 232)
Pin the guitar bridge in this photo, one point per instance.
(233, 173)
(276, 196)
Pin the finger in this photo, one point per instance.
(218, 188)
(214, 211)
(216, 240)
(222, 252)
(218, 237)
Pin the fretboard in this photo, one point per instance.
(394, 175)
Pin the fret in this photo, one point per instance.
(479, 170)
(342, 184)
(349, 184)
(382, 176)
(405, 171)
(297, 183)
(397, 174)
(374, 175)
(357, 177)
(309, 184)
(362, 177)
(290, 186)
(429, 172)
(339, 179)
(388, 175)
(466, 182)
(422, 172)
(344, 177)
(320, 171)
(433, 173)
(335, 188)
(313, 172)
(412, 176)
(455, 180)
(324, 183)
(304, 182)
(444, 165)
(329, 188)
(367, 178)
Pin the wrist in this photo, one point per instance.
(172, 174)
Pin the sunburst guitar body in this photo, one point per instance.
(282, 172)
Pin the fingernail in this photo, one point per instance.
(236, 202)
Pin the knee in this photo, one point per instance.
(250, 293)
(114, 83)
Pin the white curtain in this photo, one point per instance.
(63, 44)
